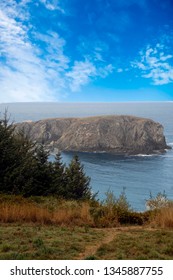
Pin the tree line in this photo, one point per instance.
(25, 168)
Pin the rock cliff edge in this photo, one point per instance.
(111, 134)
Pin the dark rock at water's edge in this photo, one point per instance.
(112, 134)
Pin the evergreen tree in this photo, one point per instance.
(9, 158)
(25, 168)
(16, 154)
(58, 177)
(6, 144)
(77, 183)
(22, 171)
(42, 170)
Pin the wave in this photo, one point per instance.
(170, 144)
(144, 155)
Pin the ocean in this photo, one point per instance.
(139, 175)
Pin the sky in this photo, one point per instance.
(86, 50)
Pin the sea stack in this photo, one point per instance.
(111, 134)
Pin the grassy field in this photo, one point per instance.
(29, 241)
(48, 228)
(45, 242)
(140, 244)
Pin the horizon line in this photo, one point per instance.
(84, 102)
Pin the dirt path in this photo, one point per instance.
(109, 235)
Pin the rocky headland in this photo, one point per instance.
(111, 134)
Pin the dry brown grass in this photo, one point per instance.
(65, 214)
(50, 210)
(163, 218)
(79, 215)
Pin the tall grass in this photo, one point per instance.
(67, 213)
(163, 218)
(110, 213)
(161, 210)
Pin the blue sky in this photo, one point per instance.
(86, 50)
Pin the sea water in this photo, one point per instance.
(139, 175)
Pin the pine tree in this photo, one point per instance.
(16, 155)
(25, 168)
(58, 177)
(77, 183)
(8, 156)
(42, 170)
(21, 172)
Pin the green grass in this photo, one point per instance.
(30, 241)
(139, 244)
(49, 228)
(24, 241)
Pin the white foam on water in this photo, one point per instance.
(170, 144)
(144, 155)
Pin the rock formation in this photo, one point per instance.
(111, 134)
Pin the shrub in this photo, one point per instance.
(157, 202)
(134, 218)
(112, 211)
(163, 217)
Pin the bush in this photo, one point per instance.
(134, 218)
(112, 211)
(157, 202)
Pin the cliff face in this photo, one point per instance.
(115, 134)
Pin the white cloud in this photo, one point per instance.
(94, 49)
(52, 5)
(96, 52)
(26, 73)
(165, 57)
(155, 64)
(15, 9)
(103, 72)
(33, 65)
(54, 51)
(80, 74)
(119, 70)
(83, 71)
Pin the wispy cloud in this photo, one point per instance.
(52, 5)
(24, 74)
(34, 66)
(80, 74)
(84, 71)
(96, 52)
(155, 63)
(94, 65)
